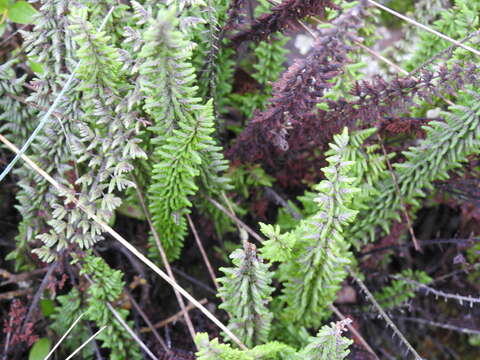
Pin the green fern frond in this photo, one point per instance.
(107, 287)
(51, 44)
(68, 310)
(183, 147)
(401, 289)
(456, 22)
(246, 292)
(329, 344)
(213, 350)
(103, 141)
(167, 76)
(314, 274)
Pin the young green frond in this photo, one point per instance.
(213, 350)
(166, 76)
(51, 43)
(107, 287)
(246, 290)
(314, 274)
(329, 344)
(103, 140)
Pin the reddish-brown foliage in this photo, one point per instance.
(13, 325)
(284, 16)
(291, 115)
(290, 124)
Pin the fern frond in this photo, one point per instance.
(329, 344)
(103, 139)
(70, 307)
(183, 146)
(16, 118)
(167, 76)
(50, 43)
(246, 290)
(456, 22)
(107, 287)
(313, 276)
(213, 350)
(401, 289)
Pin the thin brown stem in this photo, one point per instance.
(9, 295)
(36, 299)
(172, 318)
(202, 251)
(384, 315)
(354, 331)
(381, 58)
(148, 322)
(239, 222)
(399, 194)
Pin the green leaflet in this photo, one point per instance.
(107, 286)
(457, 22)
(329, 344)
(167, 78)
(102, 141)
(173, 180)
(401, 289)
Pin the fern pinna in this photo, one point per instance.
(106, 286)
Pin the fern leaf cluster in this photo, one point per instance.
(157, 90)
(107, 287)
(457, 22)
(401, 289)
(16, 118)
(68, 310)
(329, 344)
(50, 149)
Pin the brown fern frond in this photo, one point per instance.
(299, 89)
(283, 17)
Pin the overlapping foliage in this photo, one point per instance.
(154, 96)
